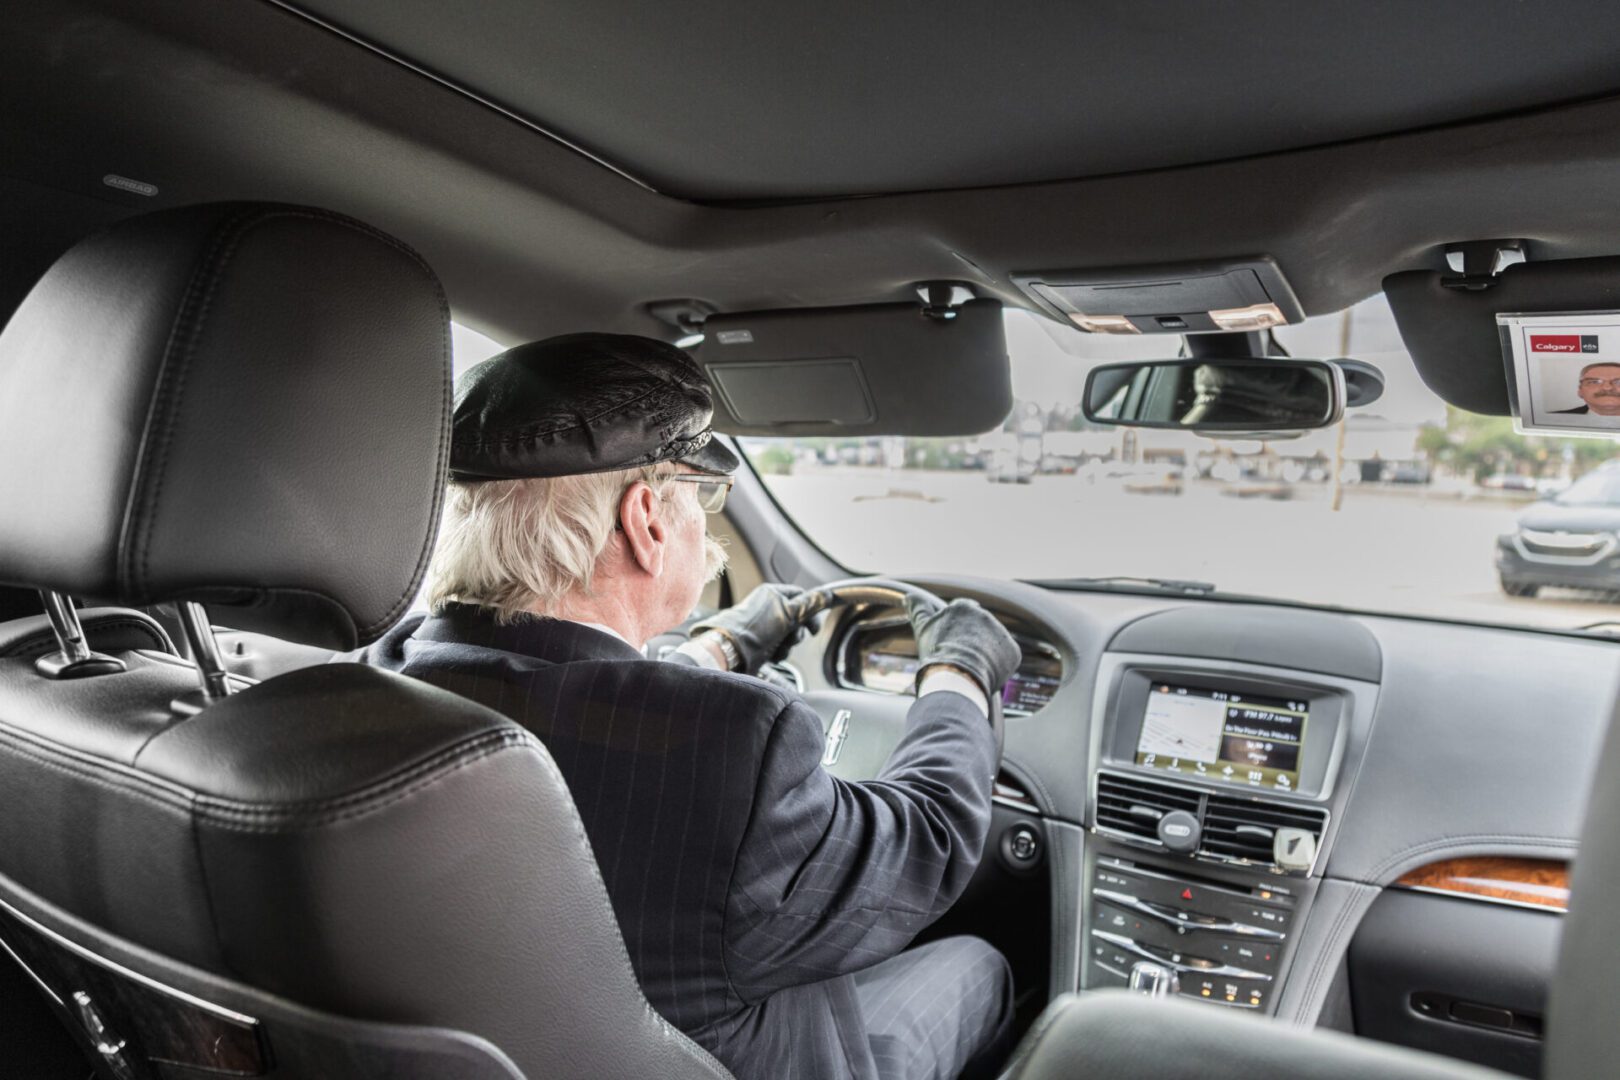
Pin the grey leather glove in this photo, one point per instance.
(763, 627)
(964, 635)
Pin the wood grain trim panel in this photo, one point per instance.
(1537, 882)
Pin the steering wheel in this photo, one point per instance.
(872, 724)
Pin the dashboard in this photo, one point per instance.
(1255, 799)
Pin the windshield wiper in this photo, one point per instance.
(1127, 583)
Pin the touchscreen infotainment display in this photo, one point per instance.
(1224, 735)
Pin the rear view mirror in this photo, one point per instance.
(1218, 395)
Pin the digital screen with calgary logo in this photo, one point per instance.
(1223, 735)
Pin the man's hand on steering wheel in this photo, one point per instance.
(763, 627)
(964, 636)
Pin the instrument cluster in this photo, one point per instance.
(880, 654)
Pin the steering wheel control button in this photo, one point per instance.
(1179, 832)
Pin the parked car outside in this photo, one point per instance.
(1571, 539)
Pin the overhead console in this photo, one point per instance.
(1215, 785)
(1234, 295)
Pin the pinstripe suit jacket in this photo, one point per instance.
(749, 883)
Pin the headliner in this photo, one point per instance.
(248, 100)
(738, 99)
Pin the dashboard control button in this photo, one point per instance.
(1021, 848)
(1250, 954)
(1232, 993)
(1187, 922)
(1177, 961)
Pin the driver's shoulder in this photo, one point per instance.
(733, 687)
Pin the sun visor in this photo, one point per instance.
(880, 369)
(1451, 332)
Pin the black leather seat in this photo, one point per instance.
(335, 872)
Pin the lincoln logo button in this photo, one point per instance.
(837, 732)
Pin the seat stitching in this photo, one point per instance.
(1329, 954)
(138, 787)
(189, 321)
(165, 404)
(28, 647)
(379, 794)
(294, 821)
(112, 776)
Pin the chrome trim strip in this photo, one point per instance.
(1476, 898)
(30, 972)
(450, 84)
(101, 961)
(1010, 794)
(1170, 917)
(238, 682)
(1225, 970)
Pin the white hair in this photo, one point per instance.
(524, 545)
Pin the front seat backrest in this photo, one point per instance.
(338, 871)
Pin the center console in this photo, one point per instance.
(1212, 797)
(1223, 942)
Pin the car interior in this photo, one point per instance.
(1234, 835)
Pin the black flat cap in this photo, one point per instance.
(583, 403)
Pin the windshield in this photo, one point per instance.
(1408, 506)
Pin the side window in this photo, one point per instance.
(467, 347)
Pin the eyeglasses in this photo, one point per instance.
(712, 490)
(1592, 384)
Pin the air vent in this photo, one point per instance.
(1133, 807)
(1238, 828)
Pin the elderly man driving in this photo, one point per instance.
(767, 906)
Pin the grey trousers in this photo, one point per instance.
(935, 1010)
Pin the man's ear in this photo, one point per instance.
(641, 520)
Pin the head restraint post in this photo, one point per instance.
(74, 659)
(204, 651)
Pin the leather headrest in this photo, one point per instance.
(243, 404)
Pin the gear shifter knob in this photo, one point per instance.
(1154, 980)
